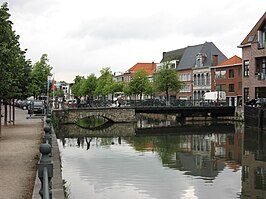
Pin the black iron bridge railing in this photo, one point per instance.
(194, 111)
(150, 102)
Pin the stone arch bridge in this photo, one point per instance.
(118, 115)
(127, 114)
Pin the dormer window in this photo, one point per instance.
(200, 59)
(262, 36)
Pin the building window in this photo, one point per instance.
(260, 92)
(195, 80)
(200, 59)
(173, 65)
(231, 88)
(186, 88)
(220, 87)
(231, 73)
(220, 74)
(203, 79)
(246, 95)
(199, 80)
(261, 37)
(184, 77)
(260, 177)
(246, 68)
(208, 81)
(260, 65)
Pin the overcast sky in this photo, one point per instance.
(83, 36)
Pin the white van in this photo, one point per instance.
(215, 96)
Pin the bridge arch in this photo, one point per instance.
(107, 116)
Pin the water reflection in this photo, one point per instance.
(254, 164)
(154, 161)
(93, 122)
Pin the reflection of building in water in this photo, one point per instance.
(206, 155)
(254, 165)
(155, 120)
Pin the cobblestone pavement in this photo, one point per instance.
(19, 154)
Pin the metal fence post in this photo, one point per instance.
(47, 138)
(48, 121)
(45, 171)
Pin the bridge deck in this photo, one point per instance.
(189, 111)
(214, 111)
(127, 114)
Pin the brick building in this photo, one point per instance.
(227, 76)
(254, 62)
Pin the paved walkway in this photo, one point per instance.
(19, 154)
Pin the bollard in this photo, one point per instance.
(48, 121)
(47, 138)
(47, 109)
(45, 171)
(48, 115)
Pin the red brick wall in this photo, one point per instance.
(251, 53)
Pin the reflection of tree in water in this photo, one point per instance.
(96, 141)
(92, 122)
(88, 142)
(165, 146)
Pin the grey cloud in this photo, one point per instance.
(32, 7)
(104, 28)
(205, 25)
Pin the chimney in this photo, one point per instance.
(215, 60)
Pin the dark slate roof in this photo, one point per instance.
(253, 34)
(210, 49)
(188, 55)
(173, 55)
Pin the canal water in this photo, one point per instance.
(162, 158)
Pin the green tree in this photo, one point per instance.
(40, 72)
(139, 83)
(104, 83)
(117, 87)
(88, 86)
(150, 90)
(14, 68)
(127, 90)
(166, 80)
(76, 88)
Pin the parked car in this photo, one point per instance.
(23, 104)
(36, 107)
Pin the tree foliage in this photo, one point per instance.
(14, 68)
(40, 71)
(76, 88)
(104, 82)
(166, 80)
(88, 86)
(139, 83)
